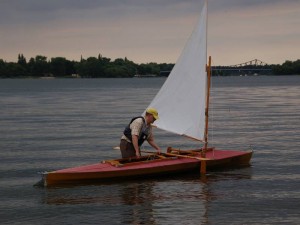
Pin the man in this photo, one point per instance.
(137, 131)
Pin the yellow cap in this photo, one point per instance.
(153, 112)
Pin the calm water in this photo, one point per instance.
(53, 124)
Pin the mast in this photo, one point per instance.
(203, 153)
(208, 70)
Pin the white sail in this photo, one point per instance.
(181, 100)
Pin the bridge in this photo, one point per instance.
(254, 62)
(252, 67)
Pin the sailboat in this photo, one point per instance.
(183, 106)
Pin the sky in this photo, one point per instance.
(149, 30)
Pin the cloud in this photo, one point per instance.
(148, 30)
(98, 26)
(265, 31)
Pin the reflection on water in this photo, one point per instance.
(179, 197)
(139, 199)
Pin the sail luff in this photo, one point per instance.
(177, 101)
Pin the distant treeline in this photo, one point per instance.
(92, 67)
(287, 68)
(97, 67)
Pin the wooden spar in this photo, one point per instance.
(187, 156)
(177, 155)
(208, 70)
(203, 162)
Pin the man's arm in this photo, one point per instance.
(135, 139)
(154, 145)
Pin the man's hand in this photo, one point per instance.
(137, 154)
(158, 151)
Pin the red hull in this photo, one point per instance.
(113, 169)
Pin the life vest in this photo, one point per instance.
(144, 133)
